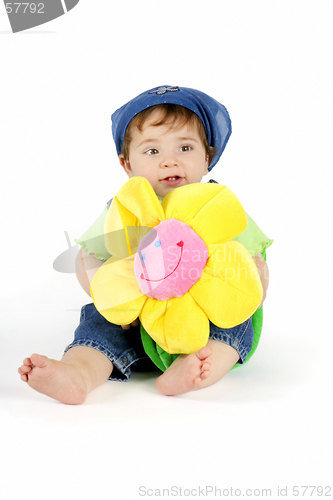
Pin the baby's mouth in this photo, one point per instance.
(172, 180)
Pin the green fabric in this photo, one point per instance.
(163, 360)
(92, 240)
(253, 238)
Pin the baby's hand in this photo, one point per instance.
(134, 323)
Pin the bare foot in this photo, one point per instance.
(56, 379)
(186, 373)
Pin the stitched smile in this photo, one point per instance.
(179, 244)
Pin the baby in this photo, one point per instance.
(172, 136)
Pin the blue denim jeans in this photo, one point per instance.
(124, 347)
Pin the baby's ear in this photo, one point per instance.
(126, 165)
(207, 162)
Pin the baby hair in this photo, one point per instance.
(172, 114)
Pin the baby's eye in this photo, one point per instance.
(185, 148)
(152, 151)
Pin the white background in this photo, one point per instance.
(266, 425)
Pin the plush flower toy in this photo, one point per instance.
(174, 266)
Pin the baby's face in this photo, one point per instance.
(167, 158)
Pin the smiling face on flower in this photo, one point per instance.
(169, 155)
(169, 260)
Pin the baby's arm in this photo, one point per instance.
(86, 266)
(263, 273)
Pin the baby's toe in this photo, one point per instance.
(24, 369)
(205, 375)
(205, 366)
(198, 382)
(204, 353)
(39, 360)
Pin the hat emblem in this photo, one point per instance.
(164, 90)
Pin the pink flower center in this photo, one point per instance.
(169, 260)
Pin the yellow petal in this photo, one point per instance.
(229, 290)
(138, 203)
(134, 210)
(115, 291)
(212, 210)
(177, 325)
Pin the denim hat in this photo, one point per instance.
(213, 115)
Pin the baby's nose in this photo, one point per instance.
(169, 161)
